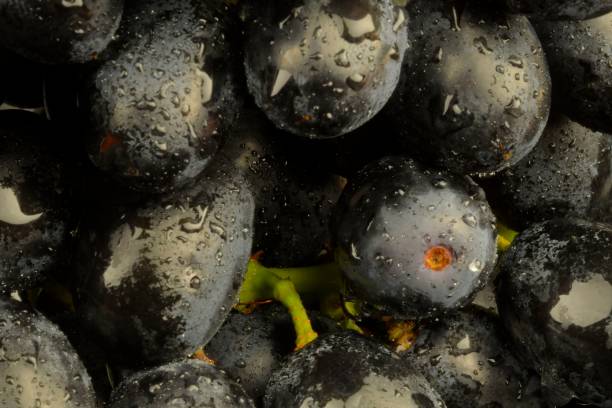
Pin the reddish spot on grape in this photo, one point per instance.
(437, 258)
(108, 142)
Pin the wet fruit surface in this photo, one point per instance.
(555, 297)
(59, 31)
(569, 172)
(414, 242)
(323, 68)
(188, 383)
(251, 347)
(579, 56)
(35, 206)
(38, 365)
(345, 369)
(561, 9)
(476, 93)
(294, 200)
(250, 203)
(159, 278)
(163, 101)
(467, 359)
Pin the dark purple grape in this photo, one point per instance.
(323, 68)
(568, 173)
(413, 242)
(158, 279)
(475, 96)
(579, 56)
(165, 98)
(346, 370)
(294, 200)
(561, 9)
(467, 359)
(189, 383)
(250, 347)
(35, 202)
(38, 366)
(555, 298)
(59, 31)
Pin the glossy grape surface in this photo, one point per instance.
(414, 242)
(555, 298)
(345, 369)
(476, 91)
(323, 68)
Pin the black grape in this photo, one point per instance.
(467, 359)
(579, 56)
(38, 366)
(323, 68)
(165, 98)
(567, 174)
(157, 279)
(555, 298)
(59, 31)
(190, 383)
(35, 202)
(294, 200)
(413, 242)
(476, 91)
(345, 369)
(250, 347)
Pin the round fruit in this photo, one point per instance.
(579, 56)
(568, 173)
(555, 298)
(412, 242)
(38, 366)
(475, 96)
(294, 200)
(158, 279)
(345, 369)
(164, 99)
(251, 347)
(59, 31)
(466, 358)
(190, 383)
(323, 68)
(35, 207)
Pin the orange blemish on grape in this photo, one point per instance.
(437, 258)
(201, 355)
(108, 142)
(305, 118)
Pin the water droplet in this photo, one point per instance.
(476, 266)
(356, 81)
(470, 220)
(195, 282)
(438, 54)
(481, 45)
(515, 61)
(341, 59)
(189, 225)
(440, 183)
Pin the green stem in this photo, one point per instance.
(284, 292)
(285, 285)
(505, 236)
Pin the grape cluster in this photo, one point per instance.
(305, 203)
